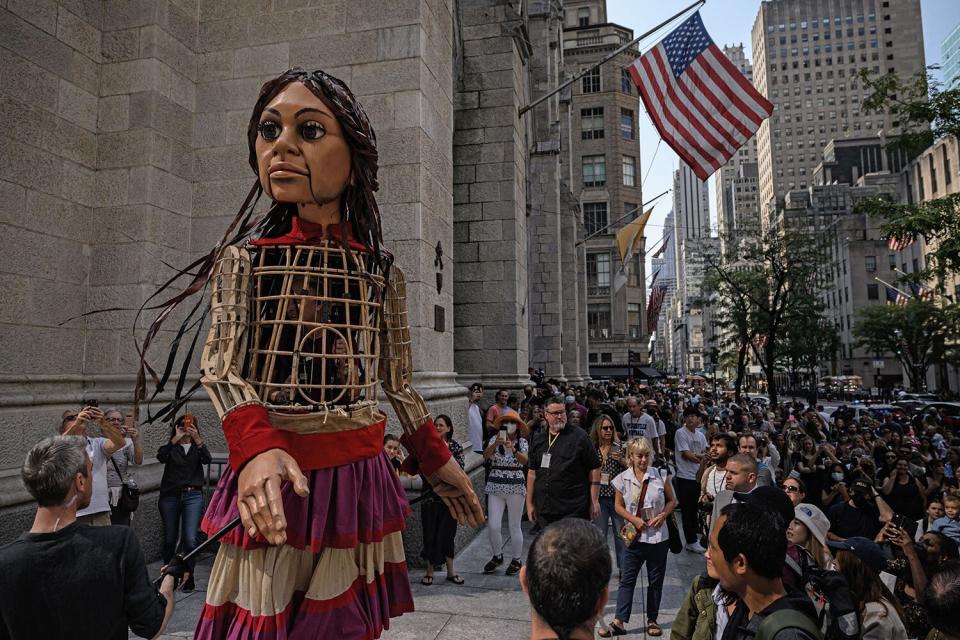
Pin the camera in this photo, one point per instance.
(538, 376)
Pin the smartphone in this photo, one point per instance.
(899, 521)
(503, 435)
(91, 403)
(187, 420)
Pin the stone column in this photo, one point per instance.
(490, 176)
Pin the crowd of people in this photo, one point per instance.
(812, 524)
(794, 508)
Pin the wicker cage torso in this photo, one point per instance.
(315, 326)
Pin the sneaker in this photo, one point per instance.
(695, 547)
(491, 566)
(188, 585)
(514, 567)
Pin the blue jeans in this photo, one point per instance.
(181, 519)
(608, 514)
(655, 555)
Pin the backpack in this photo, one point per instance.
(831, 597)
(786, 619)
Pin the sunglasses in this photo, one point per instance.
(70, 418)
(789, 488)
(606, 428)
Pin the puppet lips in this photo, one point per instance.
(285, 170)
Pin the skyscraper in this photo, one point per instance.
(807, 55)
(734, 178)
(950, 58)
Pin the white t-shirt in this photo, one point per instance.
(716, 481)
(643, 426)
(475, 426)
(693, 442)
(100, 497)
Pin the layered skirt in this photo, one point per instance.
(341, 573)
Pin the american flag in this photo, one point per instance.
(653, 306)
(701, 104)
(899, 243)
(663, 246)
(921, 292)
(895, 297)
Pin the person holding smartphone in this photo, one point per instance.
(131, 453)
(506, 489)
(181, 490)
(99, 449)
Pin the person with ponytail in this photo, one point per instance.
(308, 322)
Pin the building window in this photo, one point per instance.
(594, 171)
(593, 358)
(873, 292)
(627, 129)
(606, 357)
(629, 171)
(594, 216)
(629, 212)
(598, 320)
(590, 83)
(591, 123)
(892, 261)
(870, 262)
(583, 16)
(633, 319)
(626, 82)
(933, 175)
(947, 177)
(598, 274)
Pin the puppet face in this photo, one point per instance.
(302, 156)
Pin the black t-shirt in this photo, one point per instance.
(563, 489)
(849, 522)
(79, 582)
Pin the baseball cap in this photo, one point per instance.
(770, 498)
(861, 486)
(868, 551)
(814, 519)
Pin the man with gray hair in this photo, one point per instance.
(64, 579)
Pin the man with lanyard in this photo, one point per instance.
(564, 471)
(97, 512)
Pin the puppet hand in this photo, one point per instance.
(455, 489)
(258, 493)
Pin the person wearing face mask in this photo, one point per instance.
(862, 516)
(46, 576)
(836, 489)
(506, 489)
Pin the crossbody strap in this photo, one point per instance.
(119, 474)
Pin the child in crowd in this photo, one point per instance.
(949, 524)
(391, 444)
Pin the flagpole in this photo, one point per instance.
(628, 213)
(524, 109)
(900, 291)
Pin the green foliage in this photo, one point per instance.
(924, 112)
(918, 332)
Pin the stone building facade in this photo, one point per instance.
(127, 153)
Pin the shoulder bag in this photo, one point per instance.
(129, 498)
(628, 532)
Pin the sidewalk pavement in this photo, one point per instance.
(485, 607)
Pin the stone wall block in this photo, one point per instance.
(133, 76)
(402, 221)
(220, 96)
(333, 50)
(113, 113)
(216, 65)
(77, 106)
(484, 191)
(381, 111)
(69, 141)
(129, 148)
(28, 83)
(120, 46)
(221, 197)
(221, 163)
(44, 50)
(364, 15)
(49, 214)
(269, 59)
(29, 166)
(90, 11)
(157, 43)
(369, 78)
(79, 34)
(235, 123)
(400, 183)
(150, 109)
(40, 13)
(222, 9)
(216, 35)
(298, 25)
(465, 253)
(398, 42)
(124, 14)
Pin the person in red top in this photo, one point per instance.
(307, 321)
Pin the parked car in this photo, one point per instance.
(920, 397)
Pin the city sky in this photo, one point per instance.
(729, 22)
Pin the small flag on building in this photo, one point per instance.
(628, 240)
(895, 297)
(653, 306)
(663, 246)
(899, 243)
(701, 104)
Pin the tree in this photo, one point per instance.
(917, 333)
(923, 112)
(773, 275)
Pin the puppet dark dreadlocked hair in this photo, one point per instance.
(358, 209)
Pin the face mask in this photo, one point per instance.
(837, 477)
(511, 429)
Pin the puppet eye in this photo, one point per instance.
(312, 130)
(269, 130)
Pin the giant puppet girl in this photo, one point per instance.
(307, 320)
